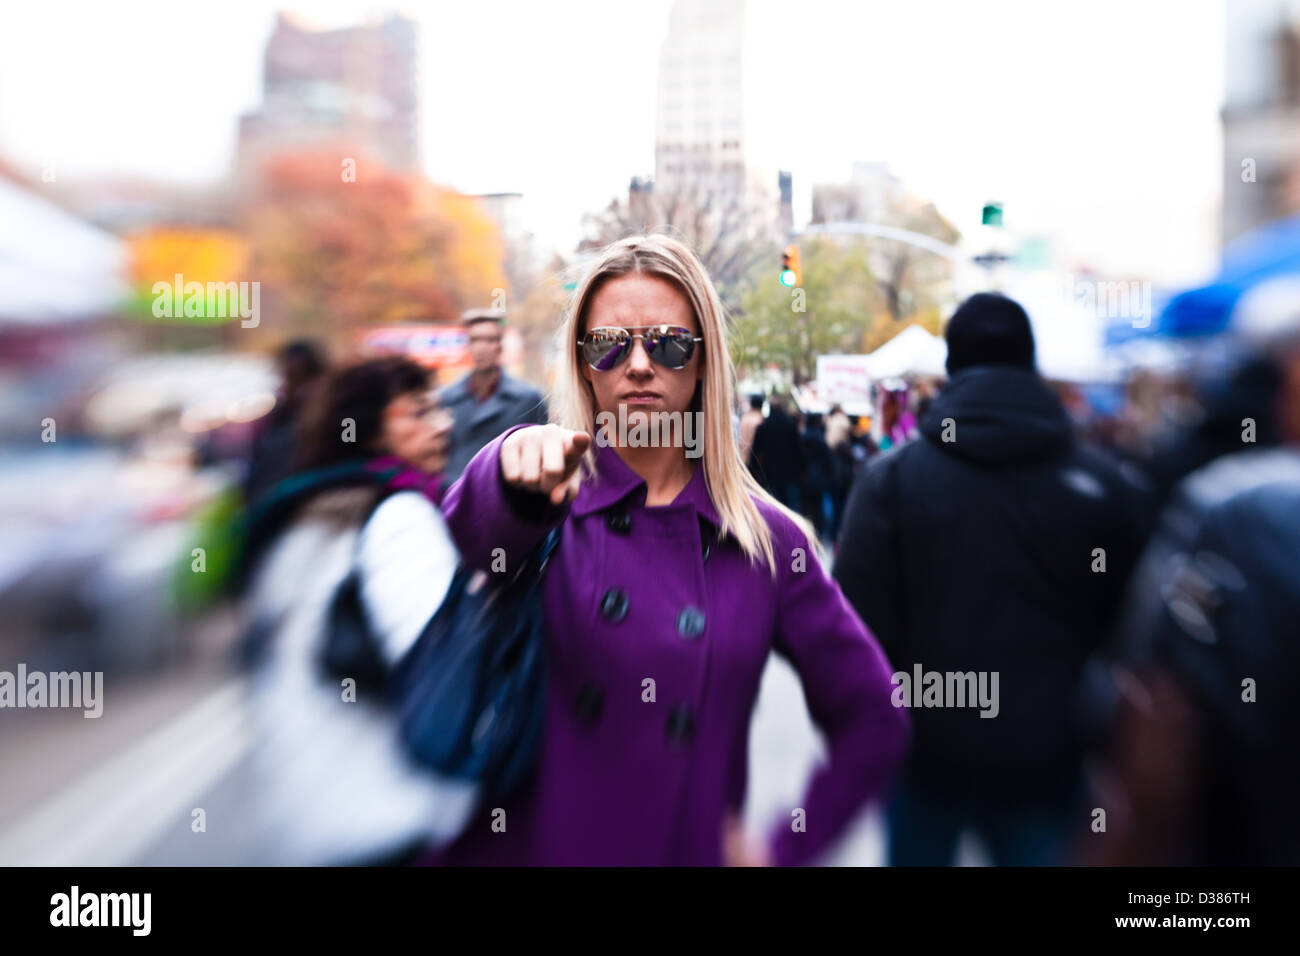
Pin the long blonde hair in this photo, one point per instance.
(730, 486)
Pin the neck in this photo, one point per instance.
(483, 378)
(666, 471)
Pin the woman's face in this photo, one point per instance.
(636, 302)
(415, 429)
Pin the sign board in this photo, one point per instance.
(844, 380)
(443, 347)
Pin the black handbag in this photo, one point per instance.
(470, 694)
(348, 648)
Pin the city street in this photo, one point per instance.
(123, 792)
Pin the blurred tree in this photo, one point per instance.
(381, 247)
(829, 313)
(885, 327)
(729, 236)
(912, 279)
(538, 318)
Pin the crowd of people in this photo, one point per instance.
(1132, 614)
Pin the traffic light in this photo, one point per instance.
(991, 215)
(791, 272)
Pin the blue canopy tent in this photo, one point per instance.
(1266, 253)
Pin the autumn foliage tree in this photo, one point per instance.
(345, 246)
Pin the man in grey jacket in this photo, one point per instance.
(486, 401)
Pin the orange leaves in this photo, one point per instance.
(346, 242)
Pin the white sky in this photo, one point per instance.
(1094, 121)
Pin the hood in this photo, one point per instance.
(1001, 415)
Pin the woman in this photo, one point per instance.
(332, 785)
(676, 574)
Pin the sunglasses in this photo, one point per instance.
(668, 345)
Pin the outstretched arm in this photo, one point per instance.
(516, 489)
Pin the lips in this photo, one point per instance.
(641, 397)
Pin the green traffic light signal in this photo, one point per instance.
(788, 278)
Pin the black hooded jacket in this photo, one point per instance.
(980, 547)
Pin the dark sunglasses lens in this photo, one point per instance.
(604, 350)
(673, 349)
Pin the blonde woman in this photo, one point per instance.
(676, 575)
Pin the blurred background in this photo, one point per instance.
(185, 190)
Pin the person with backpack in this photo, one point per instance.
(333, 785)
(675, 576)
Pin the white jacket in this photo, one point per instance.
(333, 783)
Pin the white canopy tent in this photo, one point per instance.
(53, 266)
(913, 351)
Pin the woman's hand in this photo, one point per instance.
(544, 459)
(738, 849)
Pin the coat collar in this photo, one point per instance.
(615, 481)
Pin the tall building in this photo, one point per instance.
(506, 211)
(1261, 114)
(353, 86)
(707, 130)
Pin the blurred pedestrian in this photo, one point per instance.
(838, 427)
(894, 423)
(674, 578)
(331, 783)
(1201, 771)
(300, 365)
(1249, 391)
(749, 423)
(840, 441)
(486, 401)
(995, 546)
(819, 470)
(776, 457)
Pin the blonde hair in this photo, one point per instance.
(729, 484)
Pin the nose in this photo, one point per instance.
(638, 363)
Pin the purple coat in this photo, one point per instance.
(636, 593)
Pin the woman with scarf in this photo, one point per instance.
(332, 785)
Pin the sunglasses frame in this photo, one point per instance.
(634, 333)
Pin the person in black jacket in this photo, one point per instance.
(819, 471)
(992, 553)
(302, 366)
(776, 458)
(1207, 687)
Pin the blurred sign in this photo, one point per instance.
(444, 347)
(843, 380)
(437, 346)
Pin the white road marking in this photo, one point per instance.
(115, 811)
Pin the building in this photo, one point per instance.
(353, 86)
(873, 194)
(1261, 114)
(709, 129)
(519, 261)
